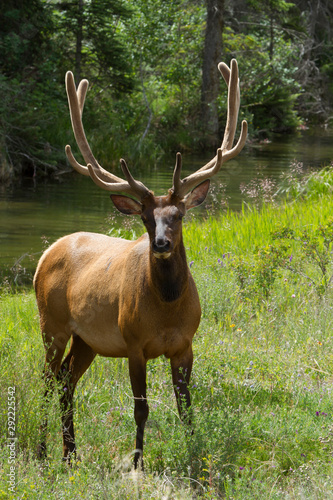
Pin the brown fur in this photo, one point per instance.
(134, 299)
(118, 298)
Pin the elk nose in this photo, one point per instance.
(161, 245)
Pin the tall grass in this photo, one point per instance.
(261, 388)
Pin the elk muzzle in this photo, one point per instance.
(161, 244)
(161, 248)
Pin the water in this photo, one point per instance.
(34, 214)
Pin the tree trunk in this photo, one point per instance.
(79, 36)
(210, 74)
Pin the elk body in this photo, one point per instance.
(120, 298)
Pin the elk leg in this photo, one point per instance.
(54, 350)
(77, 361)
(137, 370)
(181, 367)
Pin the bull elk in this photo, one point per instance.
(120, 298)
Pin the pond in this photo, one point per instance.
(35, 213)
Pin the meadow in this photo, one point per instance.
(261, 385)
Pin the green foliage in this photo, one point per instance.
(93, 26)
(29, 145)
(167, 59)
(303, 252)
(313, 262)
(296, 183)
(257, 277)
(26, 70)
(26, 28)
(269, 88)
(144, 63)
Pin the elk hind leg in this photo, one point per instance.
(77, 361)
(55, 346)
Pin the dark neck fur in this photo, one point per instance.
(170, 276)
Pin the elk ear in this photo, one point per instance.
(197, 196)
(126, 205)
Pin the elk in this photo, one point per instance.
(121, 298)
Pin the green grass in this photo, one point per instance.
(261, 387)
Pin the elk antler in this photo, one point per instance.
(226, 151)
(99, 175)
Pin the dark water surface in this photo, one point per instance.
(36, 212)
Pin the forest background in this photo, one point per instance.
(152, 67)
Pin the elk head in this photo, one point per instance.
(161, 215)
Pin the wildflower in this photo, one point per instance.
(290, 258)
(239, 329)
(191, 263)
(233, 325)
(241, 468)
(293, 295)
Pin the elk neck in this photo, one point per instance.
(169, 277)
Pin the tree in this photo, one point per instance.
(26, 27)
(210, 76)
(92, 43)
(26, 66)
(315, 72)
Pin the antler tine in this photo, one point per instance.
(81, 94)
(231, 78)
(226, 152)
(99, 175)
(76, 103)
(182, 186)
(136, 191)
(136, 186)
(177, 182)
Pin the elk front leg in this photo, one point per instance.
(181, 367)
(137, 370)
